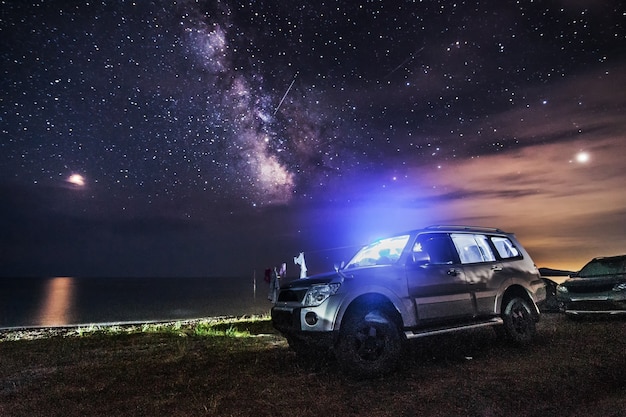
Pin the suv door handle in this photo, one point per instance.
(496, 267)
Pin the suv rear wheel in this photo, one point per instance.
(370, 344)
(519, 322)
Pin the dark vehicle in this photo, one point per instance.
(423, 282)
(552, 278)
(598, 288)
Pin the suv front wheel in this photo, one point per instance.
(370, 344)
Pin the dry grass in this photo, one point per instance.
(242, 368)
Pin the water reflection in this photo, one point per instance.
(69, 301)
(58, 296)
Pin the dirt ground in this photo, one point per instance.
(574, 368)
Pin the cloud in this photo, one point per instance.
(567, 211)
(581, 107)
(540, 192)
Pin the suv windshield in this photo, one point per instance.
(382, 252)
(606, 266)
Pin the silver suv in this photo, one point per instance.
(423, 282)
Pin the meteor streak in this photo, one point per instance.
(411, 57)
(286, 92)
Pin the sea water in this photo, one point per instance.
(72, 301)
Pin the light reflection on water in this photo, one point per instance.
(55, 309)
(71, 301)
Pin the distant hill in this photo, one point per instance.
(549, 272)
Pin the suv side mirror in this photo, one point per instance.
(420, 258)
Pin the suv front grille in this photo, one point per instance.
(590, 288)
(292, 294)
(286, 319)
(595, 306)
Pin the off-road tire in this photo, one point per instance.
(519, 321)
(370, 344)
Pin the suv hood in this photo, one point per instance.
(324, 278)
(580, 282)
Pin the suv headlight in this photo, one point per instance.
(317, 294)
(620, 287)
(561, 289)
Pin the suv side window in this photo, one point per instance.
(472, 248)
(438, 248)
(505, 247)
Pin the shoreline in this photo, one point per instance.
(43, 332)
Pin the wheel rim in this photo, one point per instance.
(370, 342)
(520, 318)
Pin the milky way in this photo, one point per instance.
(162, 98)
(327, 122)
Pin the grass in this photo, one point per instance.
(241, 367)
(218, 326)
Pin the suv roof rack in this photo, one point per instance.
(461, 227)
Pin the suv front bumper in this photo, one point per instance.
(289, 318)
(292, 323)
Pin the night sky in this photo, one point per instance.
(204, 138)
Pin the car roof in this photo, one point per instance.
(602, 258)
(462, 228)
(451, 228)
(448, 228)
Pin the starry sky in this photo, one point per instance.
(211, 138)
